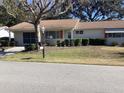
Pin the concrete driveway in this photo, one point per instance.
(11, 51)
(60, 78)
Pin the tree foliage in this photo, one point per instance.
(37, 9)
(96, 10)
(5, 18)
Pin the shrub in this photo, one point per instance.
(100, 41)
(85, 42)
(13, 43)
(5, 38)
(71, 42)
(63, 43)
(58, 43)
(77, 42)
(122, 44)
(114, 43)
(67, 42)
(30, 47)
(91, 41)
(97, 41)
(4, 42)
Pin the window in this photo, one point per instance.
(118, 35)
(114, 35)
(79, 32)
(53, 34)
(122, 34)
(29, 37)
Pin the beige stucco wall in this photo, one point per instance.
(19, 38)
(90, 34)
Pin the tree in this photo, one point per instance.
(96, 10)
(5, 18)
(37, 10)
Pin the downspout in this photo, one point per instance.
(72, 31)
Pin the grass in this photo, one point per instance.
(97, 55)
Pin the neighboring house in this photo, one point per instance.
(5, 33)
(113, 31)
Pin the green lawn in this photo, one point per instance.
(101, 55)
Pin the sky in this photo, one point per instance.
(30, 1)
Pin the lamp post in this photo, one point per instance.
(43, 42)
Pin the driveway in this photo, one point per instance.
(60, 78)
(11, 51)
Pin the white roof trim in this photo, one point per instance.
(114, 31)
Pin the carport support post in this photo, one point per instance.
(72, 35)
(9, 38)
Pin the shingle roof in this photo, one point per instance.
(48, 24)
(67, 24)
(101, 24)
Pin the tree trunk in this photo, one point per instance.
(38, 37)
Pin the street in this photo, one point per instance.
(60, 78)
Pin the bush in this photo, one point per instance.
(13, 43)
(122, 44)
(4, 42)
(63, 43)
(67, 42)
(5, 38)
(58, 43)
(30, 47)
(85, 42)
(97, 41)
(77, 42)
(71, 42)
(114, 43)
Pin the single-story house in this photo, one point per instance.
(5, 33)
(112, 31)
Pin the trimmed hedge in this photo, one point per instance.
(114, 43)
(63, 43)
(58, 43)
(97, 41)
(67, 42)
(30, 47)
(71, 42)
(85, 42)
(5, 41)
(77, 42)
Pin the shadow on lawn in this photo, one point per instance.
(120, 54)
(27, 58)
